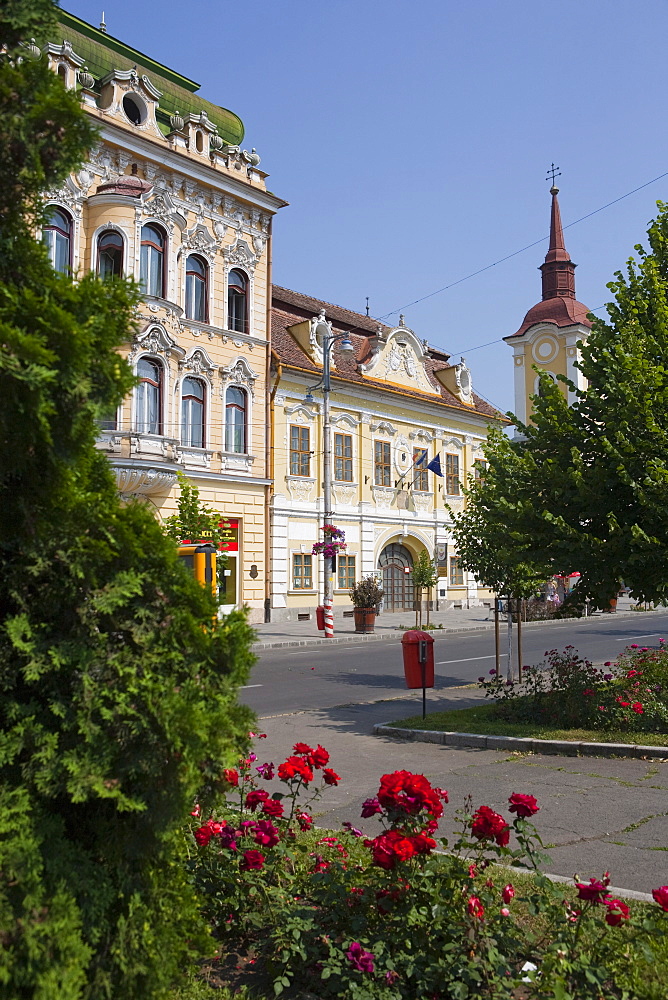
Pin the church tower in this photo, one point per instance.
(550, 331)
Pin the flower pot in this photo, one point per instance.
(613, 604)
(365, 619)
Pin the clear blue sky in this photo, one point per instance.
(412, 142)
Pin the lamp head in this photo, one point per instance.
(346, 344)
(308, 398)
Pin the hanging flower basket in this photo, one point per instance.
(334, 541)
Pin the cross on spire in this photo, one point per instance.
(552, 173)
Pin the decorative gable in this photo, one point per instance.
(399, 358)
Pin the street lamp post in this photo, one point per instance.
(329, 339)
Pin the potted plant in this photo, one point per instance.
(366, 595)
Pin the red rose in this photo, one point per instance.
(302, 748)
(593, 892)
(305, 820)
(319, 757)
(637, 708)
(255, 798)
(404, 792)
(330, 777)
(508, 893)
(252, 861)
(661, 897)
(422, 844)
(295, 767)
(231, 776)
(617, 911)
(203, 835)
(370, 807)
(490, 825)
(523, 805)
(272, 807)
(266, 833)
(475, 908)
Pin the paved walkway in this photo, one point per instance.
(595, 814)
(296, 633)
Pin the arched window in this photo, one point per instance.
(110, 254)
(235, 420)
(196, 289)
(148, 412)
(152, 262)
(237, 302)
(57, 236)
(192, 413)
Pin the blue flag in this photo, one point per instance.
(435, 466)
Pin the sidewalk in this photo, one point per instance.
(295, 633)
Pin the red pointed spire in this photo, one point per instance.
(559, 305)
(558, 270)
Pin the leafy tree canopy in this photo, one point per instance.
(585, 487)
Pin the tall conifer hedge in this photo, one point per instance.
(117, 692)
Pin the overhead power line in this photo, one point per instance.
(515, 253)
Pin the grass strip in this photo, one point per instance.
(483, 719)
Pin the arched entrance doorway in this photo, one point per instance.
(398, 590)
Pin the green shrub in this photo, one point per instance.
(117, 690)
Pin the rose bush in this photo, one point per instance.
(630, 695)
(404, 913)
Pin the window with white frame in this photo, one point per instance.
(343, 458)
(452, 485)
(196, 289)
(57, 237)
(345, 568)
(110, 254)
(302, 571)
(148, 397)
(237, 301)
(236, 420)
(382, 474)
(193, 395)
(300, 450)
(152, 261)
(456, 572)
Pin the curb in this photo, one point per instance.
(394, 631)
(525, 744)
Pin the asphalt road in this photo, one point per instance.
(318, 677)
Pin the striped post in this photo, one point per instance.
(329, 618)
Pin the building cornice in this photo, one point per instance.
(143, 147)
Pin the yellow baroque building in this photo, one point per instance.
(395, 401)
(169, 198)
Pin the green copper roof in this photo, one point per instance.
(103, 53)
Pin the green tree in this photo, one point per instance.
(585, 489)
(194, 522)
(424, 577)
(117, 690)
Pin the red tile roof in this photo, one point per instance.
(290, 308)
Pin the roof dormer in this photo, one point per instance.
(131, 98)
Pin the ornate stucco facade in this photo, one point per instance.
(168, 197)
(552, 329)
(391, 399)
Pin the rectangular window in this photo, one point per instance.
(302, 578)
(479, 469)
(420, 473)
(456, 572)
(346, 572)
(382, 467)
(452, 475)
(300, 451)
(343, 458)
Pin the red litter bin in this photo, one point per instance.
(320, 617)
(418, 650)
